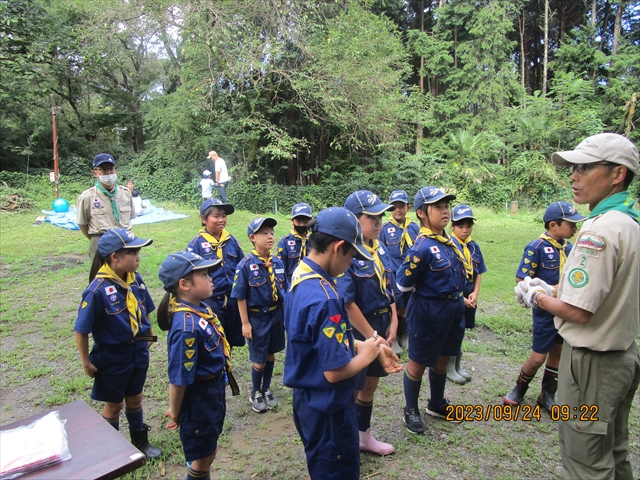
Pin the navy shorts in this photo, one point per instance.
(122, 371)
(331, 442)
(202, 417)
(469, 313)
(226, 308)
(545, 334)
(268, 334)
(436, 328)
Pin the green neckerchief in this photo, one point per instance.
(622, 202)
(112, 196)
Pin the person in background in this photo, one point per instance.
(136, 196)
(293, 246)
(222, 175)
(104, 206)
(206, 184)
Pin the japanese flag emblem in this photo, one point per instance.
(110, 290)
(253, 266)
(548, 249)
(434, 249)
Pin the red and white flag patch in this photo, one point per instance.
(548, 249)
(110, 290)
(253, 266)
(434, 249)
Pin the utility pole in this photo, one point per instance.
(54, 128)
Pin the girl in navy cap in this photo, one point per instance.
(437, 272)
(115, 310)
(367, 289)
(199, 357)
(214, 241)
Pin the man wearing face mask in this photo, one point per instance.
(105, 205)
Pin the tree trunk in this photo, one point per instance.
(522, 55)
(617, 29)
(545, 65)
(605, 22)
(420, 127)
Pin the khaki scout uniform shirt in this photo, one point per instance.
(602, 276)
(95, 209)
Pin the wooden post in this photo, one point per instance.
(54, 128)
(514, 208)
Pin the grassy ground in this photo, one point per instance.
(44, 269)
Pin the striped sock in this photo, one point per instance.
(363, 414)
(411, 390)
(197, 475)
(134, 417)
(114, 422)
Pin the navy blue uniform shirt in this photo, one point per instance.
(251, 282)
(541, 260)
(195, 347)
(391, 235)
(289, 248)
(361, 284)
(319, 339)
(103, 312)
(231, 254)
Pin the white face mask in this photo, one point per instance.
(107, 179)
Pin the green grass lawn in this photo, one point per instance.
(44, 269)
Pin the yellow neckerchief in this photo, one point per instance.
(378, 266)
(560, 247)
(215, 244)
(211, 318)
(135, 314)
(425, 232)
(304, 272)
(465, 249)
(268, 262)
(405, 240)
(303, 247)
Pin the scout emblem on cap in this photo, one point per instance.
(130, 235)
(433, 191)
(298, 208)
(372, 198)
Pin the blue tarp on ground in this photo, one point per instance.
(150, 214)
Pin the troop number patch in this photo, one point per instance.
(578, 277)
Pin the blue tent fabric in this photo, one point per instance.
(149, 214)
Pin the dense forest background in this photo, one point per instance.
(312, 99)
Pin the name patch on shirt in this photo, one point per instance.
(592, 242)
(279, 270)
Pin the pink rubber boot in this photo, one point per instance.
(370, 444)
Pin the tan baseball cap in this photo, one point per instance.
(609, 147)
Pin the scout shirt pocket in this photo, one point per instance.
(363, 269)
(116, 308)
(125, 213)
(441, 272)
(257, 281)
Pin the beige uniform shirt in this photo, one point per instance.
(602, 276)
(95, 209)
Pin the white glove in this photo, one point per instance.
(531, 295)
(526, 289)
(520, 296)
(548, 289)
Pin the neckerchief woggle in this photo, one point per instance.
(112, 196)
(268, 262)
(425, 232)
(135, 314)
(217, 245)
(405, 239)
(212, 319)
(378, 266)
(465, 249)
(622, 202)
(558, 246)
(303, 247)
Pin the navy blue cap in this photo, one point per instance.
(429, 195)
(179, 265)
(343, 224)
(399, 196)
(119, 238)
(462, 211)
(301, 210)
(257, 223)
(562, 211)
(214, 202)
(364, 201)
(103, 158)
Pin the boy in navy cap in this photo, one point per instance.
(293, 246)
(323, 358)
(115, 310)
(544, 258)
(259, 287)
(105, 205)
(214, 241)
(367, 289)
(398, 235)
(461, 228)
(436, 270)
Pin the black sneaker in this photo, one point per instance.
(439, 412)
(412, 421)
(270, 400)
(257, 402)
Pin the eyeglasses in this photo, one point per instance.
(110, 169)
(583, 167)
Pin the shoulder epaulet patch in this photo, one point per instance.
(96, 283)
(536, 243)
(188, 323)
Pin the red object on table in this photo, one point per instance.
(97, 450)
